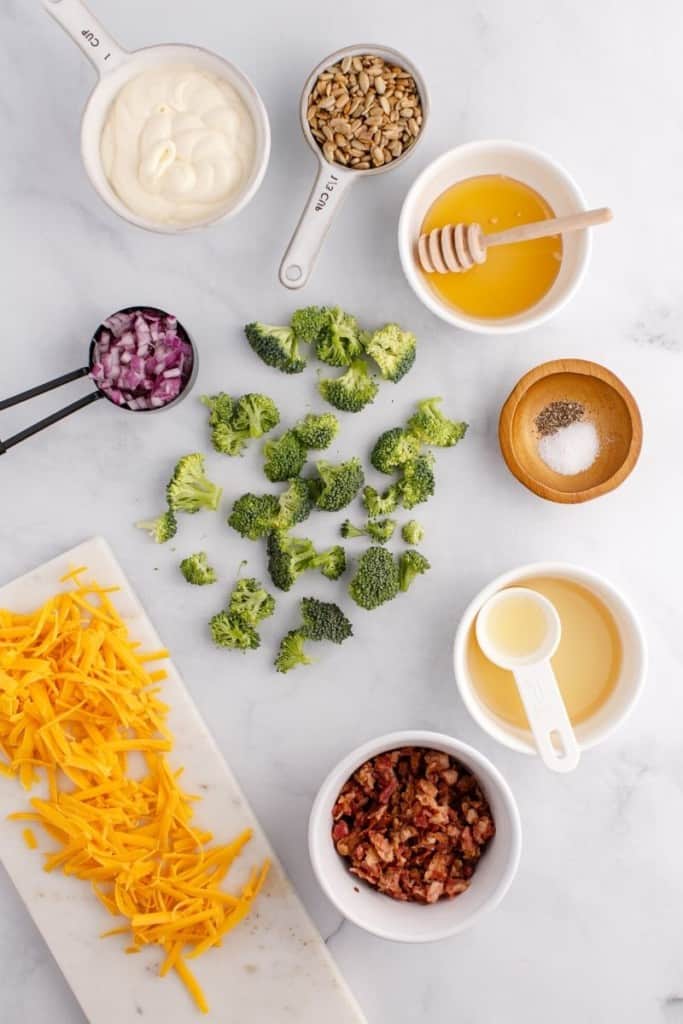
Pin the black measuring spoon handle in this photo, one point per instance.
(48, 421)
(41, 389)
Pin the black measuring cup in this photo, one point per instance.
(99, 391)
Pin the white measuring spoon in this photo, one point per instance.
(116, 66)
(529, 661)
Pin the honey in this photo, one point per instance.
(587, 662)
(514, 277)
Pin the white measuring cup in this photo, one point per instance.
(116, 66)
(530, 665)
(333, 181)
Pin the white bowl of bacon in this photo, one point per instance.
(414, 835)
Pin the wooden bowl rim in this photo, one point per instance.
(588, 369)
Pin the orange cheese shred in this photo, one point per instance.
(80, 712)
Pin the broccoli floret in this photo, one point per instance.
(410, 565)
(219, 406)
(377, 504)
(324, 620)
(251, 601)
(189, 488)
(294, 504)
(291, 652)
(227, 440)
(375, 580)
(306, 323)
(161, 529)
(276, 346)
(317, 430)
(255, 415)
(231, 631)
(393, 449)
(352, 391)
(285, 457)
(413, 532)
(338, 484)
(289, 556)
(254, 515)
(196, 569)
(417, 483)
(338, 340)
(332, 563)
(393, 350)
(431, 426)
(380, 530)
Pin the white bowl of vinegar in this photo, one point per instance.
(601, 663)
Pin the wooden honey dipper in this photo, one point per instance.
(457, 247)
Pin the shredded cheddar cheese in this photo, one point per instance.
(80, 709)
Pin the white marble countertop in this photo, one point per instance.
(591, 929)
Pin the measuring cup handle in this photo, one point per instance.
(547, 716)
(48, 421)
(41, 389)
(330, 186)
(86, 31)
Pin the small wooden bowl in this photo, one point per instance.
(609, 405)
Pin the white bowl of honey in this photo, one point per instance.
(600, 664)
(498, 185)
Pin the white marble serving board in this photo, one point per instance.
(274, 968)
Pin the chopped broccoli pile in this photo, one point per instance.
(379, 530)
(352, 391)
(411, 564)
(430, 426)
(324, 620)
(276, 346)
(393, 350)
(317, 430)
(289, 556)
(413, 532)
(417, 483)
(307, 323)
(161, 529)
(196, 569)
(393, 449)
(377, 504)
(251, 601)
(233, 423)
(338, 340)
(231, 631)
(285, 457)
(291, 652)
(337, 484)
(375, 580)
(189, 488)
(253, 515)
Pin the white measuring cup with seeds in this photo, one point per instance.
(363, 111)
(519, 629)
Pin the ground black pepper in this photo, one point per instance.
(557, 415)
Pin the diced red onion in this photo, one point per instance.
(139, 359)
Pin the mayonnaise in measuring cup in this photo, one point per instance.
(177, 145)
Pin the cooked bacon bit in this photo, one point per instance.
(413, 823)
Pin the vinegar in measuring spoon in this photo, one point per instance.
(587, 662)
(517, 627)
